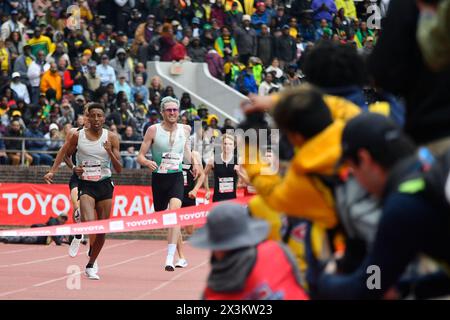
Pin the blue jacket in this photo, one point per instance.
(246, 83)
(35, 145)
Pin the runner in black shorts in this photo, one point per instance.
(169, 144)
(97, 149)
(191, 187)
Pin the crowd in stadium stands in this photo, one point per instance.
(52, 63)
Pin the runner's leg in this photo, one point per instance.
(103, 209)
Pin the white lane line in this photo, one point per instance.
(40, 284)
(162, 285)
(60, 257)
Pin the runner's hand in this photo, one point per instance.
(192, 194)
(78, 170)
(49, 177)
(152, 165)
(207, 195)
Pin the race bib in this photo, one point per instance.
(92, 170)
(226, 185)
(170, 161)
(185, 178)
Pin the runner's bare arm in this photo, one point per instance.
(112, 147)
(208, 168)
(188, 153)
(197, 160)
(145, 146)
(60, 157)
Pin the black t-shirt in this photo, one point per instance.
(225, 181)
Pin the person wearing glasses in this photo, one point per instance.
(169, 145)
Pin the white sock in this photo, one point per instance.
(171, 248)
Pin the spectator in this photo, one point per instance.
(215, 64)
(122, 64)
(225, 45)
(67, 114)
(74, 78)
(348, 7)
(52, 80)
(292, 77)
(245, 37)
(260, 17)
(186, 103)
(139, 70)
(196, 52)
(129, 151)
(233, 14)
(265, 45)
(53, 136)
(240, 255)
(156, 87)
(93, 80)
(37, 69)
(276, 70)
(22, 64)
(267, 86)
(218, 13)
(34, 131)
(5, 57)
(122, 117)
(285, 48)
(105, 72)
(122, 85)
(12, 25)
(14, 147)
(306, 28)
(40, 42)
(246, 83)
(141, 89)
(323, 9)
(60, 220)
(19, 88)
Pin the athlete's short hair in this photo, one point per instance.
(95, 105)
(168, 99)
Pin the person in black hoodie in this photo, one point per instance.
(397, 65)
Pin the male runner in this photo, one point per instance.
(169, 144)
(96, 149)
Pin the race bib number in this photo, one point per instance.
(170, 161)
(226, 185)
(92, 170)
(185, 178)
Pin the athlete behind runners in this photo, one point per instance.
(226, 171)
(191, 187)
(96, 149)
(73, 185)
(169, 144)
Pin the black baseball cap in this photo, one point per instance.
(371, 131)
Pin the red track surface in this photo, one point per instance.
(129, 269)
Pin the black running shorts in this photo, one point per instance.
(166, 186)
(73, 183)
(99, 190)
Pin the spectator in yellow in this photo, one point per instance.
(52, 80)
(40, 42)
(229, 3)
(4, 57)
(313, 123)
(349, 8)
(85, 11)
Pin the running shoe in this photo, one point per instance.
(75, 246)
(95, 267)
(181, 263)
(91, 274)
(169, 264)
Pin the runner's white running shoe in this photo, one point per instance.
(74, 246)
(91, 274)
(181, 263)
(169, 264)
